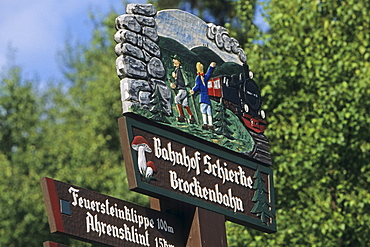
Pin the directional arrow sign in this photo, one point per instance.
(93, 217)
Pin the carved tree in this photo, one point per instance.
(262, 207)
(158, 108)
(221, 121)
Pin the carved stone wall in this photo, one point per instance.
(139, 64)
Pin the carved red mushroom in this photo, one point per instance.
(150, 168)
(141, 146)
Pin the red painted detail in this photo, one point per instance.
(214, 87)
(255, 124)
(55, 205)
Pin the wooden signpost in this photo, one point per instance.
(192, 138)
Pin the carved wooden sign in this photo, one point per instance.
(93, 217)
(194, 126)
(182, 72)
(175, 165)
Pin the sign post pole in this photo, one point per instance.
(207, 229)
(204, 228)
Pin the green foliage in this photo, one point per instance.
(313, 70)
(69, 135)
(21, 161)
(18, 113)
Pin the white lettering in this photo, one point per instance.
(218, 169)
(74, 195)
(173, 180)
(225, 174)
(130, 234)
(209, 194)
(157, 147)
(206, 162)
(177, 158)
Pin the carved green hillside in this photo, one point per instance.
(241, 140)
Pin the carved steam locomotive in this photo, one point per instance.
(241, 95)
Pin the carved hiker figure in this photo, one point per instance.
(181, 98)
(201, 86)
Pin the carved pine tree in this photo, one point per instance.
(158, 107)
(221, 121)
(262, 206)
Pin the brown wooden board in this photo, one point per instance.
(175, 165)
(93, 217)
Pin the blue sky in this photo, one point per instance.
(37, 31)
